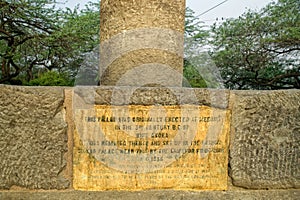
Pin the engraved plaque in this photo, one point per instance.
(151, 147)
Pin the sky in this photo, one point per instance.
(229, 9)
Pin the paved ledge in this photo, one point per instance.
(153, 195)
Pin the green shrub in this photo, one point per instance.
(51, 78)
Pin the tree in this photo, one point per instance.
(260, 50)
(35, 37)
(23, 24)
(194, 28)
(195, 36)
(81, 31)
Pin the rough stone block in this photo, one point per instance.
(33, 138)
(265, 139)
(106, 95)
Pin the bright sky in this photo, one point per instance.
(229, 9)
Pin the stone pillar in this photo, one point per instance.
(141, 42)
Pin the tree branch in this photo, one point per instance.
(282, 77)
(45, 29)
(283, 51)
(4, 32)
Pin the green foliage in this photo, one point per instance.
(194, 28)
(51, 78)
(260, 50)
(36, 36)
(23, 27)
(195, 35)
(192, 76)
(79, 35)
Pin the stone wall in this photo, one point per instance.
(265, 140)
(36, 141)
(33, 138)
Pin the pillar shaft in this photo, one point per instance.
(141, 42)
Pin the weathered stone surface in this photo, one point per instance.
(265, 140)
(152, 96)
(151, 147)
(97, 166)
(33, 138)
(117, 16)
(156, 195)
(141, 42)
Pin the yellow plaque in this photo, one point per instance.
(151, 147)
